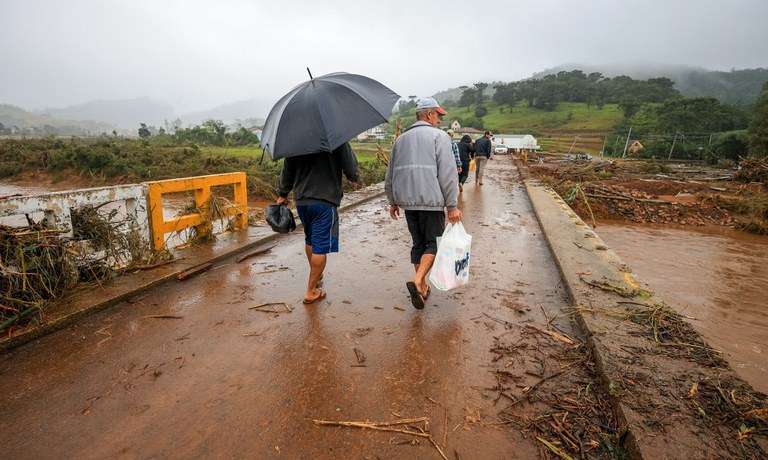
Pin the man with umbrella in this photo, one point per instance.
(316, 183)
(310, 127)
(422, 180)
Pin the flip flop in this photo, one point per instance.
(416, 298)
(318, 298)
(429, 291)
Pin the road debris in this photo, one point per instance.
(192, 271)
(411, 425)
(264, 307)
(255, 253)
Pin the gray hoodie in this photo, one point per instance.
(422, 171)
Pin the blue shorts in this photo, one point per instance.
(321, 227)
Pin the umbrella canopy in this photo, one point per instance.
(323, 113)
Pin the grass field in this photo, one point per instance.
(567, 117)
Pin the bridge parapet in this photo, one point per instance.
(143, 204)
(201, 185)
(57, 206)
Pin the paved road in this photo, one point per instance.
(226, 381)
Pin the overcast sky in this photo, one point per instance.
(198, 54)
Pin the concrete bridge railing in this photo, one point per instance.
(57, 207)
(143, 204)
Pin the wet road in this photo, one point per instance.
(227, 381)
(716, 275)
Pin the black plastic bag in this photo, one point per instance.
(280, 218)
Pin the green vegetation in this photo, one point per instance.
(758, 129)
(567, 116)
(574, 86)
(119, 160)
(111, 160)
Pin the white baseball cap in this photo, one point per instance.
(429, 103)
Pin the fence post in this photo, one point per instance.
(241, 200)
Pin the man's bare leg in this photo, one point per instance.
(422, 268)
(316, 267)
(308, 252)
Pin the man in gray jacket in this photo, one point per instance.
(421, 180)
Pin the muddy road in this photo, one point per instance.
(223, 380)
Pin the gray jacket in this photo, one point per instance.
(422, 171)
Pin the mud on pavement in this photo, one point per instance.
(192, 370)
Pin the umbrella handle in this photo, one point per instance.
(311, 78)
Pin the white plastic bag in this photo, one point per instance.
(451, 267)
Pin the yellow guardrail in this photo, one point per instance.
(202, 188)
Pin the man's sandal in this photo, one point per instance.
(320, 296)
(416, 298)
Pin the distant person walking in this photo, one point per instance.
(483, 152)
(466, 149)
(315, 180)
(421, 179)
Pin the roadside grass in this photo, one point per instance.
(109, 161)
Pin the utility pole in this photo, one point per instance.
(673, 147)
(623, 155)
(573, 143)
(602, 150)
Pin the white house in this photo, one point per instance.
(517, 142)
(377, 132)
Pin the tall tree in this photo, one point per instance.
(468, 97)
(144, 131)
(758, 129)
(480, 92)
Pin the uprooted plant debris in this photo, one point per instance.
(731, 403)
(215, 210)
(39, 264)
(565, 412)
(670, 331)
(417, 427)
(650, 191)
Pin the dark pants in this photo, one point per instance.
(464, 172)
(425, 227)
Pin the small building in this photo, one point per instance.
(471, 131)
(257, 130)
(517, 142)
(378, 133)
(455, 125)
(635, 147)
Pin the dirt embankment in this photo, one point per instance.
(655, 192)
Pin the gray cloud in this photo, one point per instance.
(197, 54)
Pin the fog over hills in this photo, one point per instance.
(127, 114)
(120, 113)
(733, 87)
(249, 111)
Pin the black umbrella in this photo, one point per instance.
(323, 113)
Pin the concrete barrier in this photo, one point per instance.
(57, 206)
(651, 383)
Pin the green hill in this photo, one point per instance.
(567, 117)
(555, 130)
(16, 120)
